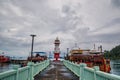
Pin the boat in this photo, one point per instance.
(4, 59)
(90, 57)
(38, 56)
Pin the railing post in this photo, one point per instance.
(82, 75)
(16, 67)
(96, 68)
(31, 65)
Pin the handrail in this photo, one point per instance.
(24, 73)
(86, 73)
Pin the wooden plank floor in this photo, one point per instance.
(56, 71)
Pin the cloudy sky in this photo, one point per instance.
(84, 22)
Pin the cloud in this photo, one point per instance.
(116, 3)
(15, 9)
(83, 22)
(108, 27)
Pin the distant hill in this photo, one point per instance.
(113, 53)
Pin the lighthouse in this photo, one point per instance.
(56, 49)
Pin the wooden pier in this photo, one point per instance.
(56, 71)
(51, 70)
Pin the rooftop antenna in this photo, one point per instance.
(98, 48)
(76, 45)
(101, 48)
(67, 50)
(94, 46)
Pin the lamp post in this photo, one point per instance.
(32, 45)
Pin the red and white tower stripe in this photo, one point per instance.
(57, 49)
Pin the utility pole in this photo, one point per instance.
(67, 50)
(94, 46)
(32, 45)
(67, 53)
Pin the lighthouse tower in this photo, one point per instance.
(57, 49)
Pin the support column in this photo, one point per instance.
(16, 67)
(31, 65)
(82, 75)
(96, 68)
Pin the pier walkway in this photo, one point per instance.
(56, 71)
(50, 70)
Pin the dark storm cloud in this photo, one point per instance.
(11, 43)
(67, 9)
(109, 24)
(111, 37)
(109, 33)
(70, 19)
(116, 3)
(112, 22)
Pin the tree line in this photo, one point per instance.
(114, 53)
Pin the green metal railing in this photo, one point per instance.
(86, 73)
(24, 73)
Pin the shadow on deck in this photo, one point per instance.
(56, 71)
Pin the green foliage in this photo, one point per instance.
(107, 54)
(113, 53)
